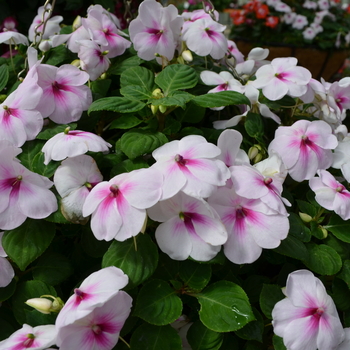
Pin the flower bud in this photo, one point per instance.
(305, 217)
(77, 23)
(154, 109)
(162, 108)
(254, 151)
(76, 63)
(157, 93)
(43, 305)
(325, 232)
(187, 55)
(45, 45)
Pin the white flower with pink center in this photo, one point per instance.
(23, 194)
(282, 77)
(36, 338)
(118, 207)
(251, 225)
(65, 95)
(331, 194)
(72, 143)
(189, 165)
(6, 269)
(308, 312)
(190, 228)
(206, 37)
(100, 328)
(156, 30)
(304, 147)
(95, 291)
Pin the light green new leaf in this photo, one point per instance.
(116, 104)
(222, 98)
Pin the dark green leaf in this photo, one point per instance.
(341, 294)
(138, 264)
(149, 337)
(254, 125)
(128, 165)
(192, 114)
(323, 259)
(7, 292)
(339, 227)
(139, 76)
(224, 307)
(222, 98)
(178, 98)
(39, 167)
(121, 65)
(29, 151)
(125, 122)
(202, 338)
(28, 290)
(4, 76)
(176, 77)
(52, 268)
(157, 303)
(195, 275)
(137, 142)
(254, 329)
(345, 273)
(27, 242)
(298, 229)
(278, 343)
(307, 208)
(293, 248)
(116, 104)
(136, 92)
(100, 87)
(270, 295)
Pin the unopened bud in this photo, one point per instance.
(305, 217)
(157, 93)
(325, 232)
(187, 55)
(162, 108)
(254, 151)
(44, 305)
(103, 76)
(45, 45)
(76, 63)
(154, 109)
(77, 23)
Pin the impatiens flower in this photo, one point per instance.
(23, 194)
(11, 37)
(74, 179)
(307, 319)
(156, 30)
(300, 22)
(304, 147)
(65, 96)
(224, 81)
(100, 328)
(187, 166)
(94, 291)
(37, 338)
(189, 228)
(206, 37)
(345, 345)
(118, 206)
(251, 225)
(20, 119)
(52, 25)
(72, 143)
(6, 269)
(342, 157)
(282, 77)
(331, 194)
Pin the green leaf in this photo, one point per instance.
(224, 307)
(120, 64)
(149, 337)
(254, 329)
(58, 55)
(53, 130)
(129, 165)
(298, 229)
(293, 248)
(100, 87)
(340, 294)
(29, 151)
(4, 76)
(52, 268)
(254, 125)
(270, 295)
(195, 275)
(322, 259)
(125, 122)
(307, 208)
(39, 167)
(116, 104)
(177, 98)
(138, 76)
(339, 227)
(176, 77)
(27, 242)
(192, 114)
(7, 292)
(137, 142)
(202, 338)
(345, 273)
(278, 343)
(172, 126)
(28, 290)
(157, 303)
(138, 264)
(136, 92)
(222, 98)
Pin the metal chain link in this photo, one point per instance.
(38, 35)
(127, 13)
(211, 9)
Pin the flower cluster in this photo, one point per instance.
(321, 23)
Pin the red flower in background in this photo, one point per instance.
(271, 21)
(262, 11)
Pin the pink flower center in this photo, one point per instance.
(179, 159)
(340, 188)
(268, 181)
(241, 213)
(114, 191)
(96, 329)
(80, 294)
(29, 342)
(16, 182)
(317, 313)
(306, 141)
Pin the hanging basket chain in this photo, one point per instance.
(127, 13)
(210, 10)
